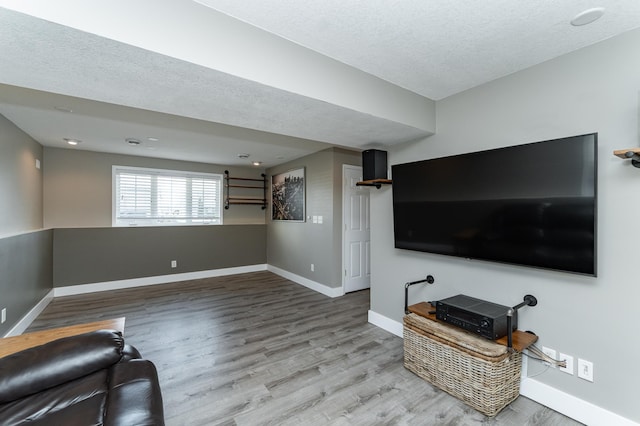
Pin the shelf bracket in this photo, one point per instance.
(429, 280)
(528, 300)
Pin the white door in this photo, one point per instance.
(356, 230)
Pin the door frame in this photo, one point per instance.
(343, 270)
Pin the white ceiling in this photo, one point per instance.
(275, 79)
(436, 48)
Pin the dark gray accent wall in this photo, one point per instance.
(94, 255)
(26, 273)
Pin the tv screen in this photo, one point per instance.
(531, 204)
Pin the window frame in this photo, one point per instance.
(146, 222)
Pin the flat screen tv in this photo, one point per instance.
(533, 205)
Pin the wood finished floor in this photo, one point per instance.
(257, 349)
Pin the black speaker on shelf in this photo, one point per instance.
(374, 164)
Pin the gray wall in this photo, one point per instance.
(92, 255)
(595, 89)
(294, 246)
(78, 186)
(25, 249)
(25, 273)
(77, 203)
(20, 181)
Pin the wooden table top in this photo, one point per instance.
(520, 339)
(10, 345)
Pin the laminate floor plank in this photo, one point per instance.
(257, 349)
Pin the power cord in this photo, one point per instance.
(541, 356)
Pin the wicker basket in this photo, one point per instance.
(482, 373)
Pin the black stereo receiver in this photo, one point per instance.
(478, 316)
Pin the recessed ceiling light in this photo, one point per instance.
(72, 142)
(588, 16)
(133, 142)
(152, 139)
(257, 163)
(243, 156)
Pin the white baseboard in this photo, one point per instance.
(576, 408)
(160, 279)
(26, 320)
(164, 279)
(313, 285)
(569, 405)
(393, 327)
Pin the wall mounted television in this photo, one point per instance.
(532, 205)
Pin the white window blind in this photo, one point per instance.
(152, 197)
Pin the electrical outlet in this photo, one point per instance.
(585, 369)
(313, 267)
(551, 353)
(4, 315)
(568, 359)
(174, 263)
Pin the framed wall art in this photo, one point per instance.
(288, 196)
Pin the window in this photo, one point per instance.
(151, 197)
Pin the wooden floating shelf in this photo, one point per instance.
(255, 201)
(375, 182)
(244, 186)
(632, 154)
(622, 153)
(248, 179)
(248, 203)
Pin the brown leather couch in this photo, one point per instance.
(89, 379)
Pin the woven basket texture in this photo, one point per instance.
(485, 383)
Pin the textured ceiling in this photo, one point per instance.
(436, 47)
(126, 73)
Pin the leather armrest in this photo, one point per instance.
(42, 367)
(134, 396)
(130, 352)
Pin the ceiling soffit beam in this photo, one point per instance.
(200, 35)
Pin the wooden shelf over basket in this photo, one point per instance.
(521, 339)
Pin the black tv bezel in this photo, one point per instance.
(518, 264)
